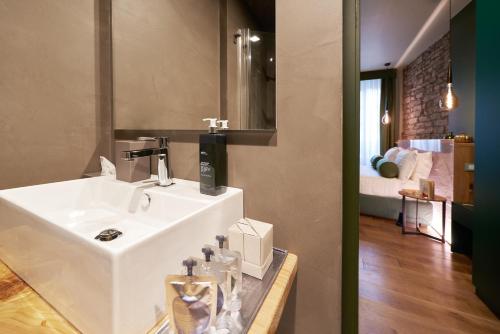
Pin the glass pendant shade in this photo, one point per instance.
(386, 119)
(449, 100)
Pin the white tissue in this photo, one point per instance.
(107, 167)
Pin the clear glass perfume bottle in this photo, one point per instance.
(233, 261)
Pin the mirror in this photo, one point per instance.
(176, 62)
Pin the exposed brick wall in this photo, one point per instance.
(423, 81)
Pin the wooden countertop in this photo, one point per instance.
(22, 310)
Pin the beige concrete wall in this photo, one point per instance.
(52, 126)
(166, 69)
(54, 121)
(295, 182)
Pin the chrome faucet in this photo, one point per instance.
(164, 171)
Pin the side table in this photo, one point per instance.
(417, 195)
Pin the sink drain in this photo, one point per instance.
(108, 235)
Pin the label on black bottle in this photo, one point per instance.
(213, 168)
(206, 170)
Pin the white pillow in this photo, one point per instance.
(406, 161)
(391, 154)
(423, 166)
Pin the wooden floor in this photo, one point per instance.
(411, 284)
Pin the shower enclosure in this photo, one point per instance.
(256, 81)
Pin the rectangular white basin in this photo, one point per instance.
(47, 237)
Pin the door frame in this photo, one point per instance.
(350, 166)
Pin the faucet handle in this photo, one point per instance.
(146, 138)
(162, 141)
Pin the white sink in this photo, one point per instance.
(47, 237)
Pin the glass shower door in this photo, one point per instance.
(256, 84)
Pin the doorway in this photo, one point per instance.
(401, 281)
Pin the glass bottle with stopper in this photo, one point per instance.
(221, 273)
(233, 262)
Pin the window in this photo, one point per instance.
(370, 94)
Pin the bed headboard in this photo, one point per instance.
(442, 161)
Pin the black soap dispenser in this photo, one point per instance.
(213, 159)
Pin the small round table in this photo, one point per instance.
(417, 195)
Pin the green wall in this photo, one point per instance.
(486, 240)
(463, 55)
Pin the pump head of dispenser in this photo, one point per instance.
(223, 124)
(212, 125)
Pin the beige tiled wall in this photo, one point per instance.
(54, 119)
(295, 183)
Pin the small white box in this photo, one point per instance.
(254, 241)
(255, 270)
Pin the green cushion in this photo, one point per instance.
(387, 168)
(375, 159)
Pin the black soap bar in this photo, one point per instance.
(213, 163)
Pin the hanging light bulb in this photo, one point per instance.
(386, 119)
(449, 100)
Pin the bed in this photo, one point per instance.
(379, 196)
(371, 183)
